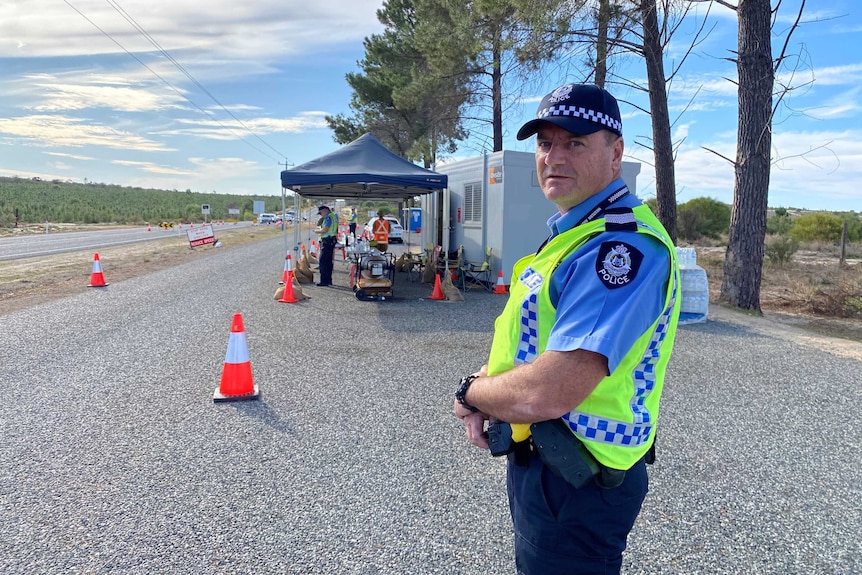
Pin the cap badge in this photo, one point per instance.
(561, 93)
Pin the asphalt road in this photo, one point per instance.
(114, 458)
(37, 245)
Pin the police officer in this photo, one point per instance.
(328, 231)
(579, 352)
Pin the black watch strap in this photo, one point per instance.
(461, 392)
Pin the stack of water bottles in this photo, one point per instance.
(695, 288)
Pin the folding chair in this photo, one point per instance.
(478, 273)
(414, 265)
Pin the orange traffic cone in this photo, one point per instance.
(438, 291)
(288, 267)
(287, 296)
(500, 288)
(97, 278)
(236, 381)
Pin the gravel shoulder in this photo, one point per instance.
(833, 336)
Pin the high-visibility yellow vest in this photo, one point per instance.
(332, 229)
(616, 422)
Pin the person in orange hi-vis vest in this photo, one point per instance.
(381, 229)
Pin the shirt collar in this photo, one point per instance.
(559, 223)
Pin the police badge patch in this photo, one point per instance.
(618, 263)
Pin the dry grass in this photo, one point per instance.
(814, 288)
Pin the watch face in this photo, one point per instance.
(460, 394)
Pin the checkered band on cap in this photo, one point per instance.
(583, 113)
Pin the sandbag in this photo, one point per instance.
(297, 291)
(303, 276)
(400, 262)
(449, 290)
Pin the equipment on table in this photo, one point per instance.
(373, 275)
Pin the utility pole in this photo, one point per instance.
(287, 165)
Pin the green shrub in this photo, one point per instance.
(688, 223)
(780, 249)
(780, 223)
(854, 225)
(703, 217)
(820, 226)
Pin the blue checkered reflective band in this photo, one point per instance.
(528, 343)
(593, 428)
(581, 112)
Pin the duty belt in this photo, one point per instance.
(560, 451)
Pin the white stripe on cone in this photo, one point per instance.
(237, 349)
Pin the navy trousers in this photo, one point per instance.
(327, 252)
(560, 529)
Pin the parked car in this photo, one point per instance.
(396, 231)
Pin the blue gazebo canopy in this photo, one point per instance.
(364, 168)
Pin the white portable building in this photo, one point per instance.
(494, 201)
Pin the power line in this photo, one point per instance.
(171, 86)
(181, 68)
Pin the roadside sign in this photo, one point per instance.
(258, 207)
(205, 209)
(201, 236)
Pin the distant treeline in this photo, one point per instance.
(65, 202)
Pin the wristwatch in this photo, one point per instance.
(461, 393)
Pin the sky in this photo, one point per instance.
(88, 94)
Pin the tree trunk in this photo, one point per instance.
(497, 88)
(744, 257)
(603, 17)
(665, 179)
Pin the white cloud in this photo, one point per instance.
(246, 31)
(846, 75)
(70, 156)
(809, 170)
(230, 129)
(65, 92)
(153, 168)
(55, 130)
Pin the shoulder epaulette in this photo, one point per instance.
(620, 220)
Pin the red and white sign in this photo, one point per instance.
(201, 236)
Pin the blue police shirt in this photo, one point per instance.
(594, 313)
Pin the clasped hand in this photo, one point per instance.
(474, 422)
